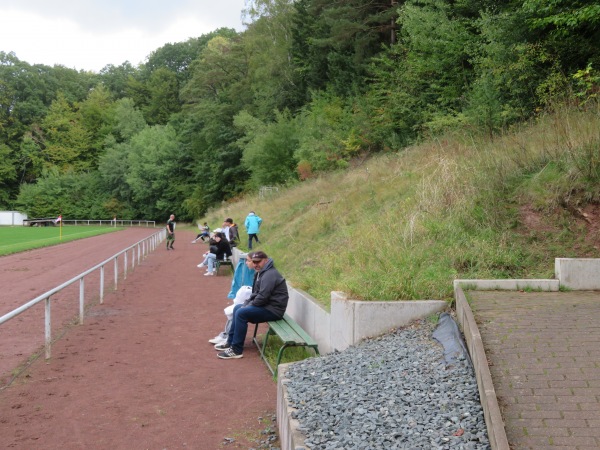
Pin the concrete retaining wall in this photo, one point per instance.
(354, 320)
(578, 274)
(349, 322)
(311, 316)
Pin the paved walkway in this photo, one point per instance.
(544, 355)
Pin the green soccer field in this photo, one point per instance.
(18, 239)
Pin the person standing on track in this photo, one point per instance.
(171, 232)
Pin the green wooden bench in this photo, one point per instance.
(290, 333)
(220, 262)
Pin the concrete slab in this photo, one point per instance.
(509, 285)
(578, 273)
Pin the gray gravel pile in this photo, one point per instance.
(390, 392)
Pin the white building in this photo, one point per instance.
(12, 218)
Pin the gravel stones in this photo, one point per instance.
(390, 392)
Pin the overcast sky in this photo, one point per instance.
(89, 34)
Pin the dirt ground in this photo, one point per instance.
(139, 373)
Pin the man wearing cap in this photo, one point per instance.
(267, 302)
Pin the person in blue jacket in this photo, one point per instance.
(252, 224)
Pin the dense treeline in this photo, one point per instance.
(309, 86)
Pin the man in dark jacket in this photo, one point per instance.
(171, 232)
(268, 302)
(219, 250)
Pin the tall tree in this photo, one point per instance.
(154, 161)
(127, 120)
(217, 90)
(569, 28)
(66, 141)
(115, 78)
(113, 169)
(95, 115)
(178, 57)
(419, 83)
(8, 175)
(75, 195)
(269, 151)
(267, 42)
(334, 41)
(163, 97)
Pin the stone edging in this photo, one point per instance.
(289, 436)
(487, 394)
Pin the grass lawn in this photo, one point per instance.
(17, 239)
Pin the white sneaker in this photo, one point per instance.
(200, 265)
(217, 340)
(194, 241)
(208, 274)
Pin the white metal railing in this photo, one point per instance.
(53, 221)
(137, 250)
(113, 223)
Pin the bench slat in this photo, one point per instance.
(299, 330)
(290, 333)
(286, 333)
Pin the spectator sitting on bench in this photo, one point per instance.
(220, 250)
(267, 303)
(204, 233)
(241, 289)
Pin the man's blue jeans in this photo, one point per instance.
(241, 316)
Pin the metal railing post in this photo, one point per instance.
(81, 299)
(125, 265)
(102, 284)
(47, 328)
(116, 272)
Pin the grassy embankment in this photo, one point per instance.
(404, 225)
(19, 238)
